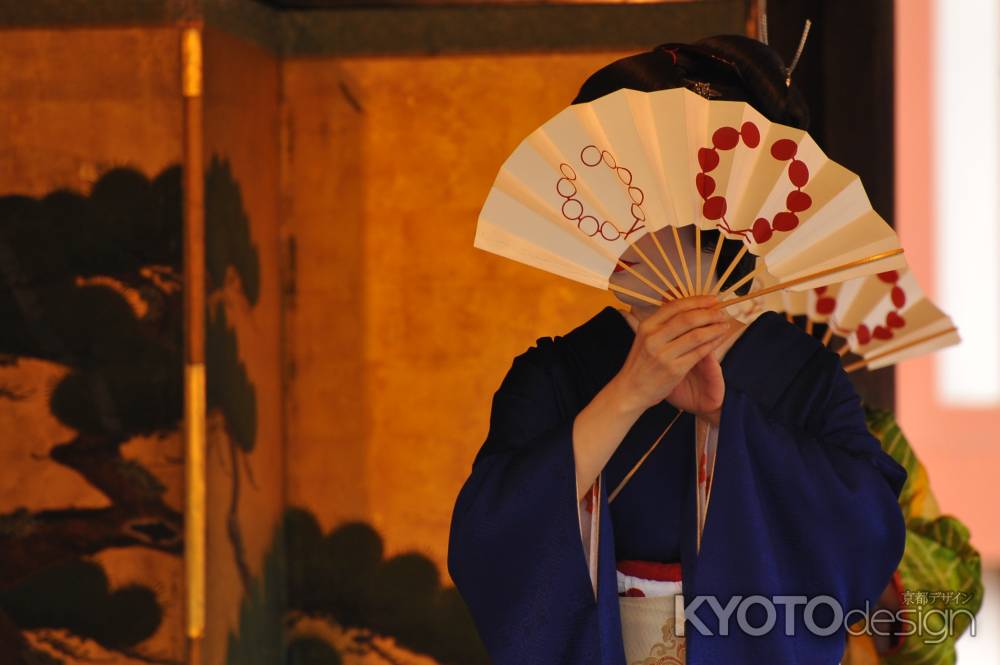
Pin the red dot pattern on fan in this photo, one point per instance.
(715, 206)
(825, 304)
(893, 319)
(572, 208)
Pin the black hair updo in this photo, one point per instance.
(725, 67)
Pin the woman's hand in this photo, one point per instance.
(671, 358)
(701, 390)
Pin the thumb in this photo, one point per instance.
(708, 362)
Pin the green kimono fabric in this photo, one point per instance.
(940, 571)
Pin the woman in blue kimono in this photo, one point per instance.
(804, 526)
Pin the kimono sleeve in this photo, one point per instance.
(870, 482)
(515, 551)
(803, 511)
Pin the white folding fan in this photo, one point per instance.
(882, 319)
(603, 191)
(885, 318)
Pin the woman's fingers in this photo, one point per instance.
(672, 308)
(696, 354)
(681, 324)
(694, 339)
(669, 342)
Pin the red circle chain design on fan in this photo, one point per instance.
(784, 150)
(572, 209)
(825, 304)
(893, 319)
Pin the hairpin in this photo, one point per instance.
(763, 38)
(762, 22)
(702, 88)
(798, 52)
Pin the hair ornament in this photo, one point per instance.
(763, 38)
(798, 51)
(702, 88)
(762, 22)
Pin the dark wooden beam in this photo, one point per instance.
(506, 27)
(392, 27)
(59, 13)
(347, 4)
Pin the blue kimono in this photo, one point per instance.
(804, 503)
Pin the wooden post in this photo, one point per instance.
(194, 341)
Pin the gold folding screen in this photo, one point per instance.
(318, 340)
